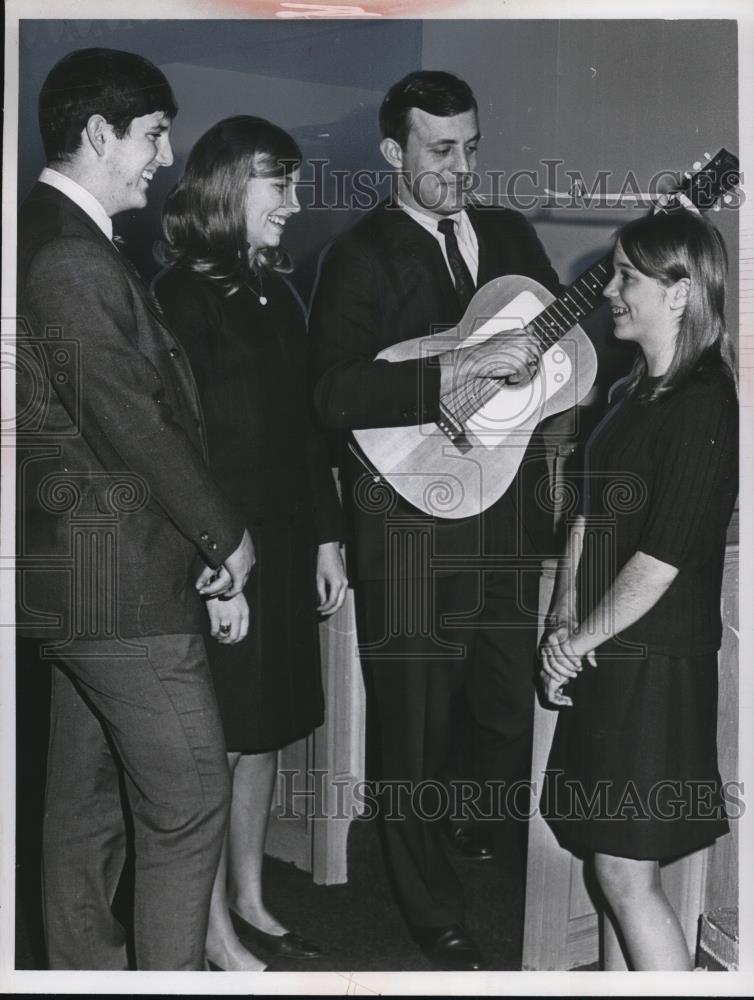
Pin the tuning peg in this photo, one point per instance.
(707, 156)
(696, 165)
(687, 174)
(716, 207)
(728, 198)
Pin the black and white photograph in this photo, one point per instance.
(376, 534)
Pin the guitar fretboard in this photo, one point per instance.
(584, 295)
(702, 190)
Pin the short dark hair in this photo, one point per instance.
(120, 86)
(204, 218)
(669, 247)
(434, 91)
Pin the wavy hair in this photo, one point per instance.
(204, 217)
(669, 247)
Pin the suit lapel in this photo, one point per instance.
(179, 370)
(69, 207)
(422, 267)
(489, 267)
(145, 293)
(179, 367)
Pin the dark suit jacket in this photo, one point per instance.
(109, 442)
(385, 281)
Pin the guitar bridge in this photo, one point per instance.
(453, 429)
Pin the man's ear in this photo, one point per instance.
(96, 133)
(679, 293)
(392, 152)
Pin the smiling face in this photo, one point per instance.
(438, 161)
(132, 161)
(270, 202)
(645, 310)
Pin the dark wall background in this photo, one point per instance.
(644, 96)
(323, 82)
(598, 95)
(641, 96)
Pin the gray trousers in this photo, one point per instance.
(139, 740)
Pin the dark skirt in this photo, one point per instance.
(269, 686)
(633, 767)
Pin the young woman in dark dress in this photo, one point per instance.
(243, 329)
(632, 775)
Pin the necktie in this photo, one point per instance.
(462, 279)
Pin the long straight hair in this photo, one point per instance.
(668, 248)
(204, 218)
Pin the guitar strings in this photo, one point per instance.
(548, 327)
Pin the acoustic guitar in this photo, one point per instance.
(463, 463)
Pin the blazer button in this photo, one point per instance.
(174, 352)
(204, 537)
(212, 546)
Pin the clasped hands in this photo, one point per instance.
(222, 590)
(561, 654)
(230, 579)
(228, 610)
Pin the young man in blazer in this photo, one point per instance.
(441, 622)
(121, 533)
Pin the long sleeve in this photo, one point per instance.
(123, 410)
(696, 481)
(328, 514)
(347, 323)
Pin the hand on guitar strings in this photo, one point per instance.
(511, 356)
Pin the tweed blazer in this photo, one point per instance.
(117, 508)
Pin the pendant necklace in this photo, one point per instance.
(260, 294)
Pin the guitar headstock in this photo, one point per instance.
(703, 189)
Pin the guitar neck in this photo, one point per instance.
(584, 295)
(701, 191)
(554, 322)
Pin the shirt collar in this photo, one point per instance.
(428, 222)
(81, 197)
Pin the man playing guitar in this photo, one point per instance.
(447, 609)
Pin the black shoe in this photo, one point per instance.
(288, 945)
(450, 948)
(474, 843)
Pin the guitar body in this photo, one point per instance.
(454, 475)
(445, 480)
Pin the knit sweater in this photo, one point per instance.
(661, 478)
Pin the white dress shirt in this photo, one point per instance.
(81, 197)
